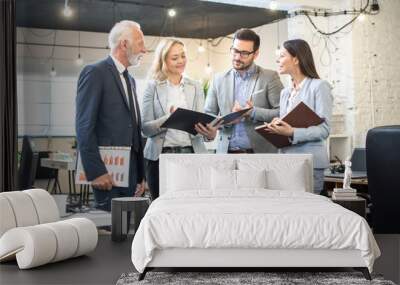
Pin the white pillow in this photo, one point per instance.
(223, 179)
(293, 180)
(281, 173)
(251, 178)
(183, 177)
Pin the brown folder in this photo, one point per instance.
(300, 117)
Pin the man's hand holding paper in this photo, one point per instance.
(103, 182)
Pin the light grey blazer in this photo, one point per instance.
(317, 95)
(220, 100)
(155, 113)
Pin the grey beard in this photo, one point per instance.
(134, 60)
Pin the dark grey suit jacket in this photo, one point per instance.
(266, 86)
(103, 118)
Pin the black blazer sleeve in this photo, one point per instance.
(88, 100)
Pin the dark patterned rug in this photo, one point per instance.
(243, 278)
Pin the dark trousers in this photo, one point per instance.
(153, 173)
(103, 197)
(152, 177)
(249, 150)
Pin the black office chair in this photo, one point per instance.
(383, 170)
(27, 165)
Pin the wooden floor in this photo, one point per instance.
(103, 266)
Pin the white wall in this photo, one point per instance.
(46, 105)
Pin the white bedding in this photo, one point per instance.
(250, 218)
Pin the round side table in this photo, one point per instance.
(121, 209)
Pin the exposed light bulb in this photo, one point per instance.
(361, 17)
(171, 13)
(209, 69)
(53, 72)
(67, 10)
(79, 60)
(201, 49)
(273, 5)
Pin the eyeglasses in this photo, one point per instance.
(243, 54)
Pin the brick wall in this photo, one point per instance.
(376, 61)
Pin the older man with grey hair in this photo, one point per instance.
(107, 113)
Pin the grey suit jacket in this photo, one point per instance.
(220, 100)
(317, 95)
(155, 113)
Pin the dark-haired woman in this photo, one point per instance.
(296, 60)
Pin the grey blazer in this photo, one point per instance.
(155, 113)
(220, 100)
(317, 95)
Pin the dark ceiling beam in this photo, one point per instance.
(136, 3)
(194, 19)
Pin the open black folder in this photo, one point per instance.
(184, 120)
(300, 117)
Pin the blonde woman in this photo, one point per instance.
(168, 89)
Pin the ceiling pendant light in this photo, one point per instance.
(209, 69)
(53, 72)
(273, 5)
(201, 48)
(278, 51)
(171, 13)
(67, 11)
(79, 60)
(278, 48)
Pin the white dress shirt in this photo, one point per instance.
(121, 68)
(176, 98)
(292, 100)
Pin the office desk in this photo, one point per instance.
(339, 181)
(360, 184)
(68, 165)
(359, 180)
(57, 163)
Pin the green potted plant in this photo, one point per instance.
(206, 85)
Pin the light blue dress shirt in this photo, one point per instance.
(239, 139)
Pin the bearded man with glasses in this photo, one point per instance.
(243, 86)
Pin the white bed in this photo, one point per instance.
(266, 218)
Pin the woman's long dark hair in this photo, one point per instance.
(300, 49)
